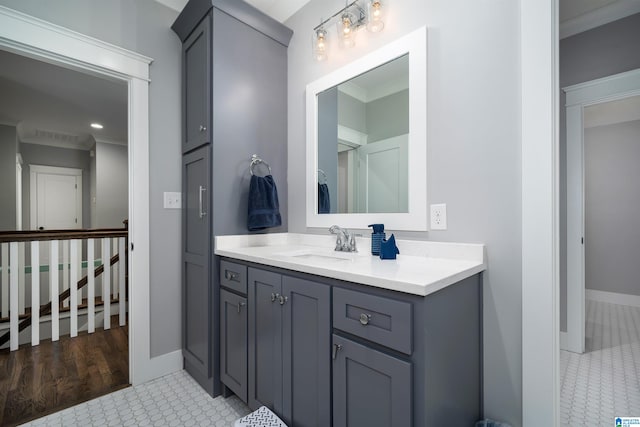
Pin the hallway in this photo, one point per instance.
(603, 383)
(39, 380)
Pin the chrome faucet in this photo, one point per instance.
(345, 241)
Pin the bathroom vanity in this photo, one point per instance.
(328, 338)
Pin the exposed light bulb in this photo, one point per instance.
(375, 23)
(96, 125)
(346, 25)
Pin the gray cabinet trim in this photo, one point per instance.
(195, 9)
(382, 320)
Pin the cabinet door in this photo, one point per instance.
(370, 388)
(233, 343)
(265, 340)
(196, 258)
(196, 91)
(306, 353)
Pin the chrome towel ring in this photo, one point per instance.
(255, 160)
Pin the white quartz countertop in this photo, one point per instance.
(421, 268)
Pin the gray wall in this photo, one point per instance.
(112, 185)
(352, 112)
(612, 207)
(143, 26)
(7, 178)
(600, 52)
(388, 117)
(60, 157)
(473, 150)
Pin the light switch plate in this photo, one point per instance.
(439, 216)
(172, 200)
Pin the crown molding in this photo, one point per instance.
(604, 15)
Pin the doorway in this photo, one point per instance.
(35, 38)
(580, 97)
(56, 198)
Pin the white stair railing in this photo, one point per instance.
(39, 278)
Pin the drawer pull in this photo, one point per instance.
(240, 305)
(203, 128)
(274, 296)
(282, 299)
(230, 275)
(336, 348)
(364, 319)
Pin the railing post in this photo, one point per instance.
(4, 310)
(65, 270)
(54, 279)
(106, 282)
(91, 283)
(22, 283)
(13, 295)
(122, 302)
(73, 284)
(35, 292)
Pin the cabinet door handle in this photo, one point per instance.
(336, 348)
(230, 275)
(364, 319)
(240, 305)
(282, 299)
(203, 128)
(274, 296)
(201, 212)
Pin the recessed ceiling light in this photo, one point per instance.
(96, 125)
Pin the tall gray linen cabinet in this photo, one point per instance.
(234, 104)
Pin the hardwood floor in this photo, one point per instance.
(35, 381)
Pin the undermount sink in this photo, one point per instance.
(319, 255)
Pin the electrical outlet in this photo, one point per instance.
(439, 217)
(172, 200)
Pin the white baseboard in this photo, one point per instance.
(564, 337)
(613, 297)
(159, 367)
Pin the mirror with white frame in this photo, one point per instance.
(366, 140)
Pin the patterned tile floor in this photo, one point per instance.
(173, 400)
(603, 383)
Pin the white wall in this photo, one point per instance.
(612, 207)
(143, 26)
(474, 151)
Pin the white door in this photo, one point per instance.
(56, 198)
(384, 178)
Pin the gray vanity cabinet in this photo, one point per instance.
(233, 342)
(289, 347)
(370, 388)
(196, 250)
(196, 91)
(234, 104)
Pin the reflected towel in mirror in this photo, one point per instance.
(324, 202)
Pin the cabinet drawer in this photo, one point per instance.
(233, 276)
(378, 319)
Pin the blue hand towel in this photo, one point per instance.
(324, 202)
(388, 248)
(264, 209)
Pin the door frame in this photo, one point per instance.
(579, 96)
(29, 36)
(34, 170)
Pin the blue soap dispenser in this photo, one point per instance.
(376, 238)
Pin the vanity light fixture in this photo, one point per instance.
(354, 16)
(320, 45)
(96, 125)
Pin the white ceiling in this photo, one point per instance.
(55, 106)
(280, 10)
